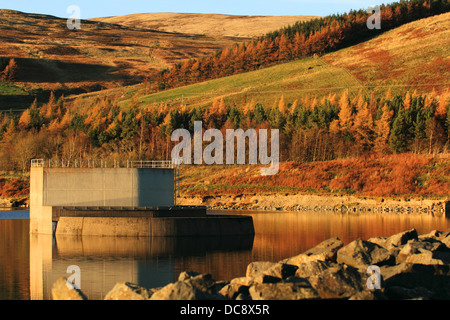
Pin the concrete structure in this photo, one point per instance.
(72, 199)
(115, 187)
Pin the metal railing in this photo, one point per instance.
(102, 163)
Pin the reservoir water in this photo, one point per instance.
(29, 265)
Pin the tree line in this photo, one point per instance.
(311, 128)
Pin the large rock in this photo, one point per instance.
(433, 235)
(361, 254)
(401, 293)
(179, 290)
(428, 258)
(300, 290)
(64, 290)
(129, 291)
(435, 278)
(190, 286)
(202, 282)
(337, 282)
(424, 252)
(446, 241)
(237, 287)
(269, 272)
(258, 268)
(308, 269)
(400, 239)
(396, 240)
(324, 251)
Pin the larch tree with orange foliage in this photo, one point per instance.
(383, 130)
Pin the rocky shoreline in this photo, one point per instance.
(407, 266)
(342, 204)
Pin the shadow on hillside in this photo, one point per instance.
(53, 71)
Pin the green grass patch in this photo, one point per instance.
(292, 80)
(10, 89)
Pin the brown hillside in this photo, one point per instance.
(99, 55)
(207, 24)
(414, 56)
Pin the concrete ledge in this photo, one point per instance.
(128, 212)
(155, 226)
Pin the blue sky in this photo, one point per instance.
(102, 8)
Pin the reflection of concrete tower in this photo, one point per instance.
(40, 263)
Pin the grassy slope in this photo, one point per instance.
(292, 80)
(415, 55)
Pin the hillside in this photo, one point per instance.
(291, 80)
(206, 24)
(410, 63)
(350, 119)
(400, 176)
(415, 55)
(50, 57)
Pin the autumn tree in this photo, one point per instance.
(382, 130)
(10, 71)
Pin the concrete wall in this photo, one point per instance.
(121, 187)
(108, 187)
(156, 227)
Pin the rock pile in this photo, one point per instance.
(410, 266)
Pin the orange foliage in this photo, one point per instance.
(379, 176)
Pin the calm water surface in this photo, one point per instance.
(29, 265)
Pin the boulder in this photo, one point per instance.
(186, 275)
(400, 239)
(190, 286)
(435, 278)
(424, 250)
(446, 241)
(257, 269)
(308, 269)
(428, 258)
(361, 254)
(281, 270)
(269, 272)
(202, 282)
(179, 290)
(401, 293)
(337, 282)
(431, 235)
(324, 251)
(129, 291)
(381, 241)
(64, 290)
(283, 291)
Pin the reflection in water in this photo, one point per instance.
(29, 265)
(283, 235)
(14, 260)
(104, 261)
